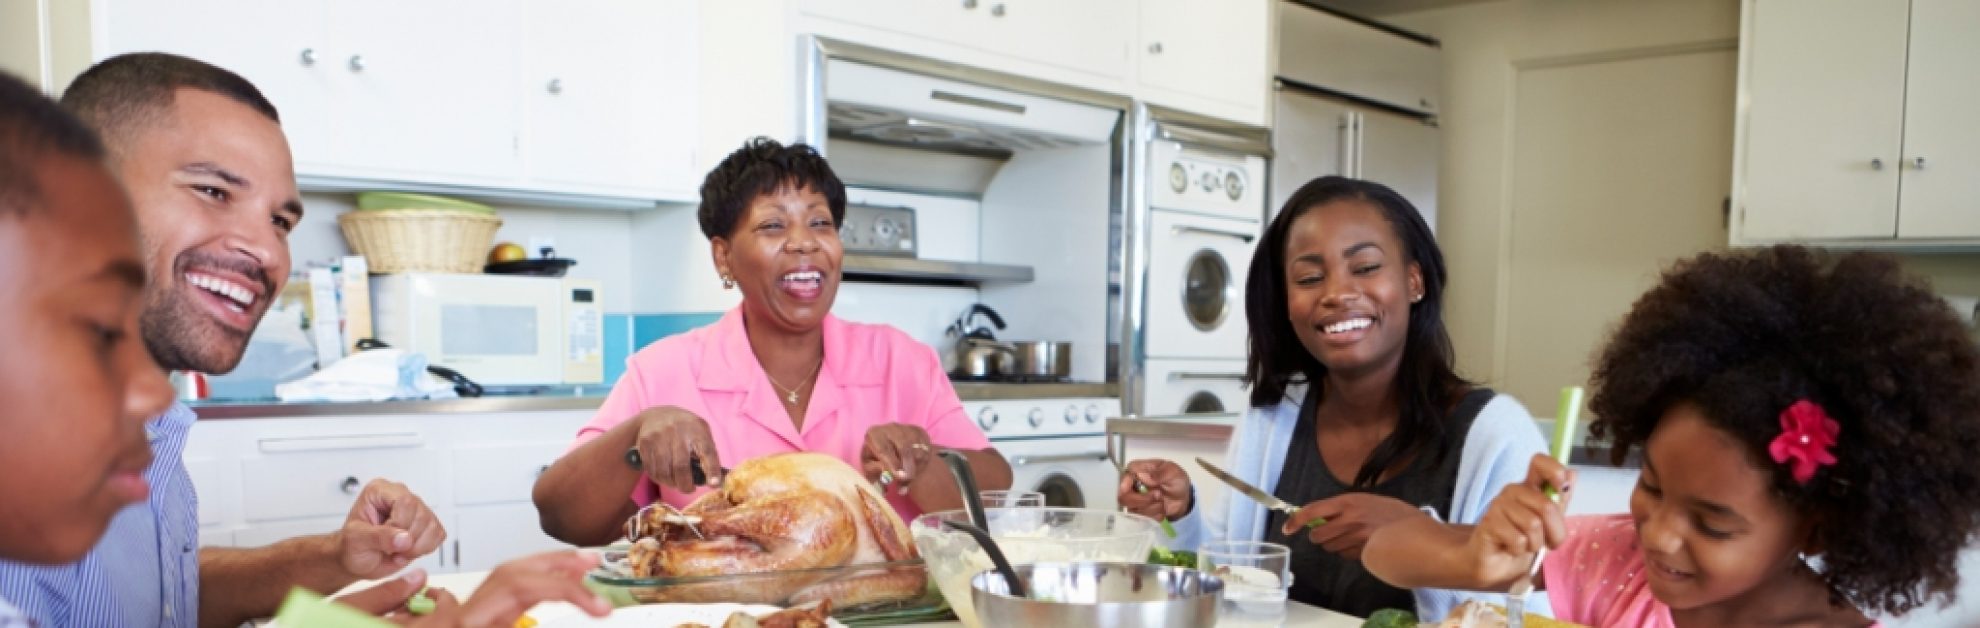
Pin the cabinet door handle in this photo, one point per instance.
(969, 4)
(308, 57)
(1215, 232)
(1078, 457)
(556, 86)
(1876, 164)
(1186, 375)
(997, 9)
(350, 485)
(357, 63)
(1918, 163)
(1155, 48)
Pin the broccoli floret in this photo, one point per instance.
(1390, 618)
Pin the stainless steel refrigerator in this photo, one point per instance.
(1355, 98)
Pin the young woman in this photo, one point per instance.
(1356, 411)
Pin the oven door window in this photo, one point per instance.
(1061, 491)
(1203, 401)
(1207, 290)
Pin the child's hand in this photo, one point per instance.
(1521, 521)
(517, 586)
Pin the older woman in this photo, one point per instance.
(1356, 411)
(776, 374)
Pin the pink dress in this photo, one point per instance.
(873, 375)
(1596, 578)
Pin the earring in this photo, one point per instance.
(1417, 298)
(728, 283)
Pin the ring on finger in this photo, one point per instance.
(921, 446)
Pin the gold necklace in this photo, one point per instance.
(792, 397)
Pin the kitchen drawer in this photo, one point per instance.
(501, 473)
(324, 483)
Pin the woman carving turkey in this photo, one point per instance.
(776, 374)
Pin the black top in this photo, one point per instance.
(1325, 579)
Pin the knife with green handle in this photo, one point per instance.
(1254, 493)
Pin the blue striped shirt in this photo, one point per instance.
(145, 571)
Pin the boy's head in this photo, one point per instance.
(77, 382)
(1721, 371)
(203, 157)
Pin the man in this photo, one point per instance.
(208, 170)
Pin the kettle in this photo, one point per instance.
(975, 351)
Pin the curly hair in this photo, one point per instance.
(1744, 335)
(763, 166)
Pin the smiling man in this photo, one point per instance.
(204, 159)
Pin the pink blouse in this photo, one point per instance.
(873, 375)
(1596, 578)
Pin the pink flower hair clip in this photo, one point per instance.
(1807, 435)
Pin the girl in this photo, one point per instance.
(1357, 413)
(1789, 408)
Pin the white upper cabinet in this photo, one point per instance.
(283, 48)
(608, 100)
(587, 97)
(1089, 38)
(1851, 125)
(425, 93)
(1940, 186)
(1206, 56)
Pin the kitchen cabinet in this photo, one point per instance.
(1851, 123)
(1090, 37)
(265, 480)
(608, 104)
(1206, 56)
(596, 101)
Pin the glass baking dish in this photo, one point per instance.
(859, 593)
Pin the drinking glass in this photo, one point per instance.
(1256, 577)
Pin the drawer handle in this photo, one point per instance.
(357, 441)
(1097, 456)
(350, 485)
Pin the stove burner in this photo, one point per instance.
(1010, 379)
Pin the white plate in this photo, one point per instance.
(665, 616)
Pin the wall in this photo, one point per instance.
(1520, 263)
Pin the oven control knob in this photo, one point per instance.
(1178, 177)
(1209, 181)
(1036, 417)
(986, 418)
(1072, 415)
(1092, 413)
(1233, 186)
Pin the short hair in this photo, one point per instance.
(762, 166)
(122, 91)
(32, 127)
(1742, 336)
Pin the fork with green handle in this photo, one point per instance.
(1560, 448)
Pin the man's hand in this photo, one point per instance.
(387, 529)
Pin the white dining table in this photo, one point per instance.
(462, 585)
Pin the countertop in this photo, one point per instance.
(578, 398)
(1219, 427)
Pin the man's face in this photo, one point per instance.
(215, 193)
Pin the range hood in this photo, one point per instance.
(917, 111)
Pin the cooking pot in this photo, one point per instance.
(1038, 359)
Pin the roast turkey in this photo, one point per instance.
(780, 515)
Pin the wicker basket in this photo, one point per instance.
(421, 240)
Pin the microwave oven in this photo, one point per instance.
(498, 330)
